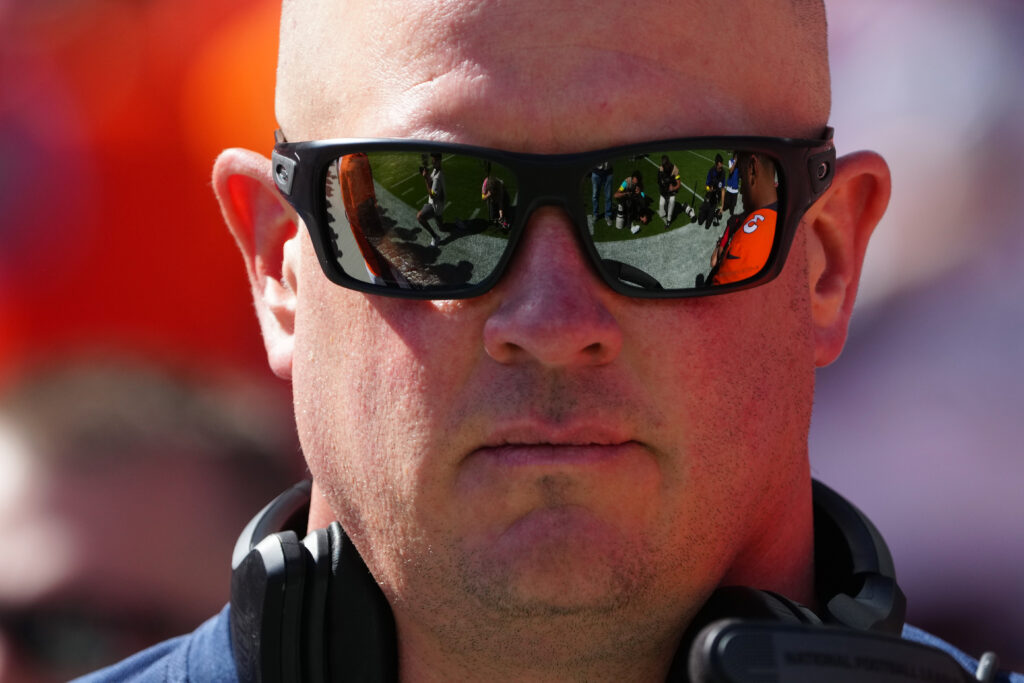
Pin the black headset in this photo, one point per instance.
(309, 610)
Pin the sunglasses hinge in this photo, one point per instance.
(820, 168)
(283, 170)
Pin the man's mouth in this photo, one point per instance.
(537, 444)
(554, 453)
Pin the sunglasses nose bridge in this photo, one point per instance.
(559, 189)
(551, 187)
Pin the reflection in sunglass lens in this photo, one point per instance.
(419, 221)
(683, 219)
(660, 221)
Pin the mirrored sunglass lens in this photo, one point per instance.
(419, 221)
(684, 219)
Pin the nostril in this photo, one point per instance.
(522, 330)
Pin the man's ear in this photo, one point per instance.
(262, 223)
(838, 228)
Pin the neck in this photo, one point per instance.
(320, 513)
(779, 556)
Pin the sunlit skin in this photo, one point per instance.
(548, 480)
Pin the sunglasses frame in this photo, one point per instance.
(805, 169)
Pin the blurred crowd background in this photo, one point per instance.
(920, 421)
(140, 428)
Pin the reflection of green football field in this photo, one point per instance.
(468, 245)
(399, 174)
(673, 256)
(693, 170)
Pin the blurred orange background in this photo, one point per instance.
(111, 114)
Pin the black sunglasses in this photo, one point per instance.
(674, 218)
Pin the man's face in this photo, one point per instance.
(550, 448)
(745, 175)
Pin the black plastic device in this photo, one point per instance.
(735, 651)
(306, 610)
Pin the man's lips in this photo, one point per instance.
(576, 433)
(553, 453)
(532, 444)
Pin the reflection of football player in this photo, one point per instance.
(711, 209)
(732, 187)
(493, 192)
(668, 186)
(434, 208)
(747, 242)
(601, 182)
(632, 207)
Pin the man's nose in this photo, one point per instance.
(553, 308)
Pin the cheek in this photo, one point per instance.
(374, 380)
(349, 376)
(737, 372)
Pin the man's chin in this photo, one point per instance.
(560, 560)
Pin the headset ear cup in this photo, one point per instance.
(872, 608)
(266, 609)
(314, 627)
(252, 626)
(268, 571)
(302, 609)
(360, 634)
(850, 547)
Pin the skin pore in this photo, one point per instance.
(548, 480)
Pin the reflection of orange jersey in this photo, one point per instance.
(748, 248)
(356, 180)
